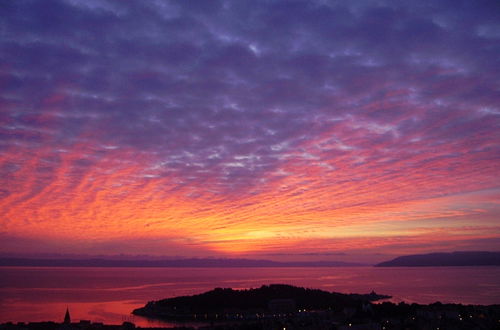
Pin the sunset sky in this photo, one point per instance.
(282, 130)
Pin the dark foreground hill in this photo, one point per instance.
(466, 258)
(268, 298)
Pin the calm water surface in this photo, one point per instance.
(109, 294)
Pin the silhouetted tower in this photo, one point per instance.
(67, 318)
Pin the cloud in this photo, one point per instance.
(319, 106)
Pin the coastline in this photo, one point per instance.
(377, 316)
(108, 295)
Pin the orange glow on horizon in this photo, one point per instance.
(122, 197)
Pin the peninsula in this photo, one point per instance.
(462, 258)
(268, 299)
(280, 306)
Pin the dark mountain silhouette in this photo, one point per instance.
(195, 262)
(462, 258)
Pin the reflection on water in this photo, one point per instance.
(109, 294)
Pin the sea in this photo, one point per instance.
(108, 295)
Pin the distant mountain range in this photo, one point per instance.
(194, 262)
(465, 258)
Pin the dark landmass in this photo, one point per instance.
(268, 298)
(82, 325)
(194, 262)
(466, 258)
(287, 307)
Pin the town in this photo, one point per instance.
(287, 307)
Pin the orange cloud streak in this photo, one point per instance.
(121, 196)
